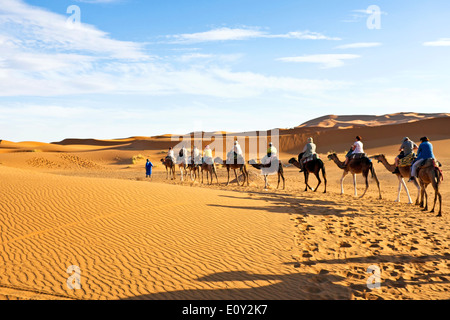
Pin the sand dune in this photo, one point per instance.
(90, 205)
(352, 121)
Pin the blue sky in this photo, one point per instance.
(135, 67)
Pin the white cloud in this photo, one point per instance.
(443, 42)
(205, 57)
(228, 34)
(359, 45)
(42, 57)
(326, 60)
(29, 27)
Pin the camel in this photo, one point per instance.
(170, 167)
(210, 169)
(182, 165)
(314, 167)
(235, 166)
(194, 170)
(280, 172)
(429, 173)
(356, 166)
(405, 172)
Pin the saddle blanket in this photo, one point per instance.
(234, 158)
(358, 156)
(310, 158)
(407, 161)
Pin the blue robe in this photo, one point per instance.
(148, 168)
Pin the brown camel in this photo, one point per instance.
(280, 172)
(314, 167)
(194, 170)
(194, 167)
(235, 166)
(210, 170)
(356, 166)
(429, 173)
(405, 172)
(170, 167)
(182, 165)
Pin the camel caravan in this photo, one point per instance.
(421, 168)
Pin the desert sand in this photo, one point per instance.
(87, 202)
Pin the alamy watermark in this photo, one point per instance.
(74, 21)
(374, 281)
(374, 19)
(256, 145)
(74, 281)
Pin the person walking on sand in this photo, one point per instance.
(148, 169)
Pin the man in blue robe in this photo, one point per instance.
(148, 169)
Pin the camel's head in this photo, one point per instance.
(377, 157)
(332, 156)
(292, 160)
(253, 161)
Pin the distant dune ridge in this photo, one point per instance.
(353, 121)
(331, 133)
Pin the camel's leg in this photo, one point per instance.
(354, 185)
(342, 181)
(440, 204)
(422, 195)
(318, 179)
(181, 173)
(237, 179)
(418, 192)
(215, 173)
(228, 171)
(424, 198)
(279, 179)
(306, 180)
(378, 184)
(400, 180)
(407, 191)
(426, 201)
(435, 199)
(367, 184)
(265, 182)
(244, 175)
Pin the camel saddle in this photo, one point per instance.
(407, 161)
(310, 158)
(429, 163)
(357, 156)
(234, 158)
